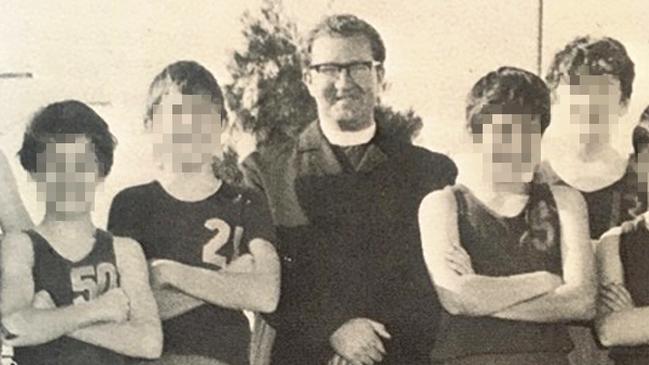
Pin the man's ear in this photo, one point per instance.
(380, 78)
(307, 79)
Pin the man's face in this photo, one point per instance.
(68, 174)
(346, 95)
(187, 130)
(592, 104)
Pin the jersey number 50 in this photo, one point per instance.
(88, 283)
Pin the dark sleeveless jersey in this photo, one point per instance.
(502, 246)
(209, 233)
(70, 283)
(634, 255)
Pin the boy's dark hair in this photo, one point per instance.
(59, 120)
(190, 78)
(346, 26)
(596, 56)
(508, 90)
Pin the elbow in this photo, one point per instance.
(462, 305)
(151, 343)
(269, 302)
(605, 335)
(584, 305)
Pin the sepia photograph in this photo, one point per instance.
(324, 182)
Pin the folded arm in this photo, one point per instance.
(141, 334)
(33, 326)
(628, 326)
(473, 295)
(256, 290)
(575, 298)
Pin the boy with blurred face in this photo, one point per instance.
(209, 244)
(344, 197)
(592, 82)
(72, 293)
(623, 259)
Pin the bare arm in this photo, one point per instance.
(34, 326)
(173, 303)
(13, 215)
(256, 290)
(626, 327)
(141, 335)
(472, 294)
(575, 299)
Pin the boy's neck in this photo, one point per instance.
(191, 186)
(68, 224)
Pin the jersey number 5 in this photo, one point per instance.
(212, 247)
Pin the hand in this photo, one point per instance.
(459, 260)
(359, 341)
(338, 360)
(43, 300)
(113, 305)
(159, 272)
(615, 297)
(242, 264)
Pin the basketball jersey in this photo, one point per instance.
(209, 233)
(502, 246)
(634, 255)
(70, 283)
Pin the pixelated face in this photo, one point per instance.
(67, 174)
(592, 104)
(344, 80)
(511, 146)
(187, 131)
(642, 168)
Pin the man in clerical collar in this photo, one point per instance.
(344, 198)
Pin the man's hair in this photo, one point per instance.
(508, 90)
(56, 122)
(190, 78)
(345, 26)
(593, 56)
(641, 132)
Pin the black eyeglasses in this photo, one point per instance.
(356, 70)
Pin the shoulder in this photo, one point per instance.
(269, 156)
(439, 200)
(16, 247)
(137, 191)
(423, 162)
(567, 197)
(127, 249)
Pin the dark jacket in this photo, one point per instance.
(349, 243)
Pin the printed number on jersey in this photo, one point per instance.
(89, 282)
(221, 237)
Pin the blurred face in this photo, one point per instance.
(592, 104)
(187, 131)
(344, 80)
(511, 146)
(643, 168)
(68, 175)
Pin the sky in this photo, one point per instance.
(107, 52)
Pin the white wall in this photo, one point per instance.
(109, 51)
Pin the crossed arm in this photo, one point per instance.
(619, 322)
(251, 282)
(532, 296)
(102, 321)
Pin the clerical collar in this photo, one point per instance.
(337, 137)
